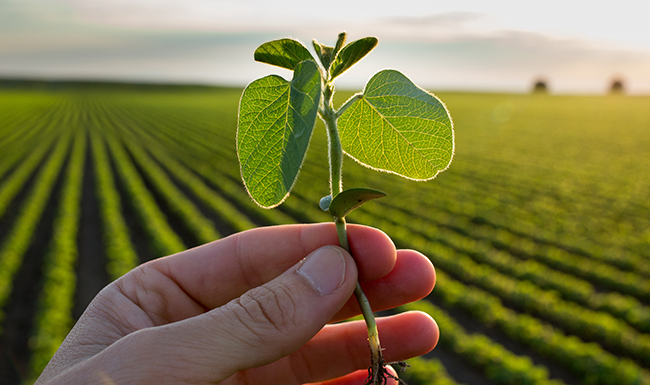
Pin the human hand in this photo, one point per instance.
(249, 309)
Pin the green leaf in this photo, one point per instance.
(351, 54)
(340, 42)
(324, 53)
(276, 120)
(285, 53)
(348, 200)
(397, 127)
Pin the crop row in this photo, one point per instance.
(456, 165)
(225, 176)
(183, 132)
(590, 325)
(446, 258)
(541, 203)
(15, 244)
(598, 273)
(185, 167)
(478, 193)
(568, 286)
(54, 319)
(24, 121)
(485, 222)
(14, 182)
(580, 156)
(464, 211)
(120, 253)
(587, 361)
(470, 201)
(187, 177)
(226, 211)
(436, 228)
(636, 314)
(14, 150)
(171, 130)
(527, 247)
(424, 371)
(132, 132)
(176, 143)
(287, 203)
(164, 240)
(182, 207)
(496, 362)
(628, 282)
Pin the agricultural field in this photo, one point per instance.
(539, 230)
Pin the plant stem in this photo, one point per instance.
(336, 185)
(335, 149)
(358, 292)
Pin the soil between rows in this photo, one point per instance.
(224, 228)
(91, 264)
(138, 234)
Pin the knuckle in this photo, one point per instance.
(266, 313)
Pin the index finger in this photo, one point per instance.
(217, 272)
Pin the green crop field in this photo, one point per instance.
(539, 231)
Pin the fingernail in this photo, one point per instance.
(324, 269)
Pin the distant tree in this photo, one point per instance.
(617, 86)
(540, 87)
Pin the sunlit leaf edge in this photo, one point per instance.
(338, 208)
(237, 132)
(338, 66)
(451, 123)
(241, 175)
(305, 54)
(323, 52)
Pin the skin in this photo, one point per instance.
(246, 310)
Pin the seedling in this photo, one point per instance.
(392, 126)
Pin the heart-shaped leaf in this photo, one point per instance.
(348, 200)
(351, 54)
(276, 120)
(285, 53)
(397, 127)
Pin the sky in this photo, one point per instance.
(464, 45)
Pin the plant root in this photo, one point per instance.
(379, 375)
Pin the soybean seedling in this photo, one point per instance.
(392, 126)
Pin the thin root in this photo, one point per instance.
(380, 376)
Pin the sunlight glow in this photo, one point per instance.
(465, 44)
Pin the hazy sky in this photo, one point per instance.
(577, 46)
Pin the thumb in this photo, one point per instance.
(269, 321)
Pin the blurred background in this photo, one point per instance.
(503, 46)
(539, 231)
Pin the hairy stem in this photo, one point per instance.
(335, 149)
(336, 184)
